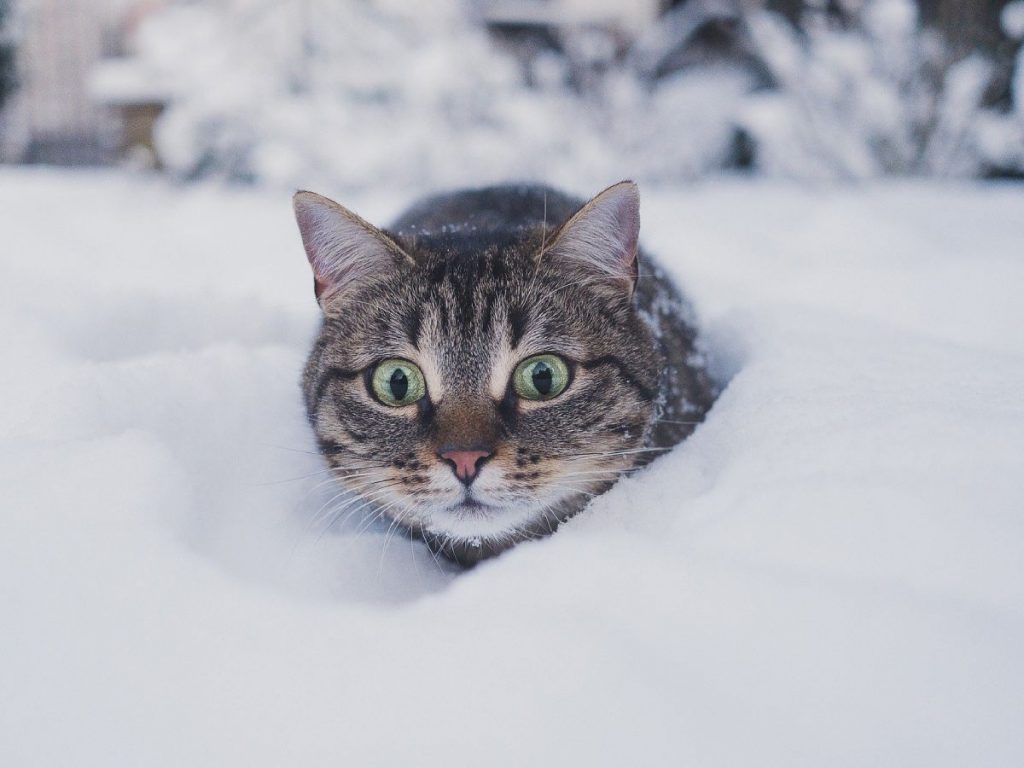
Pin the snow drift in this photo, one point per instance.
(829, 572)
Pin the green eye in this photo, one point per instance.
(398, 382)
(541, 377)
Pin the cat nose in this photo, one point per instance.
(466, 464)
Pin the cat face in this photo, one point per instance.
(478, 390)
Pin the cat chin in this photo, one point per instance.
(471, 521)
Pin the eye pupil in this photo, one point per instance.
(540, 377)
(399, 383)
(543, 378)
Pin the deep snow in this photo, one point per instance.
(829, 572)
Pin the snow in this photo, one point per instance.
(1012, 19)
(125, 81)
(289, 93)
(829, 572)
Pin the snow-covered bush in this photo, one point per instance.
(7, 78)
(876, 95)
(683, 127)
(351, 94)
(1000, 136)
(385, 93)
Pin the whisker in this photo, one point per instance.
(290, 449)
(368, 501)
(391, 532)
(378, 513)
(615, 453)
(430, 549)
(613, 472)
(358, 467)
(291, 479)
(356, 491)
(573, 489)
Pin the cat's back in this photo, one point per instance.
(497, 211)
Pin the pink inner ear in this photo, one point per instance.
(319, 288)
(322, 228)
(342, 249)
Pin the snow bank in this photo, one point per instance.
(829, 572)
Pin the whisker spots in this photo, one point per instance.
(526, 475)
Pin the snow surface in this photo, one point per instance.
(830, 572)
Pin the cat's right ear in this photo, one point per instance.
(600, 239)
(343, 249)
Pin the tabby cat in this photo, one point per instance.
(493, 360)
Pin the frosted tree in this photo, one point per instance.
(7, 73)
(873, 94)
(387, 93)
(1001, 134)
(352, 94)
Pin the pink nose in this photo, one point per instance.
(465, 463)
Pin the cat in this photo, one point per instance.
(494, 359)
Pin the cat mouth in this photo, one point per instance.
(470, 504)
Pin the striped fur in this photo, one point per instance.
(478, 281)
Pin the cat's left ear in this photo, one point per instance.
(344, 250)
(602, 237)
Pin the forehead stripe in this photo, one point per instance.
(517, 320)
(412, 322)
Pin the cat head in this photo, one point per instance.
(476, 387)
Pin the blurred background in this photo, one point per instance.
(829, 572)
(359, 94)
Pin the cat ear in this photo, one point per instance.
(603, 235)
(343, 249)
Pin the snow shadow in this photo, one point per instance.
(213, 385)
(345, 544)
